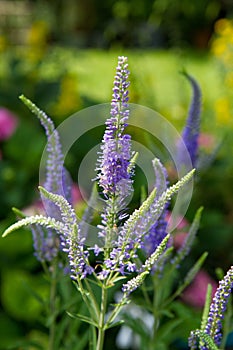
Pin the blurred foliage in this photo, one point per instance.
(132, 23)
(125, 23)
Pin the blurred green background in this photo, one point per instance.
(62, 55)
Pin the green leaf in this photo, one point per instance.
(83, 318)
(18, 213)
(22, 302)
(165, 332)
(35, 294)
(190, 276)
(114, 324)
(137, 326)
(190, 238)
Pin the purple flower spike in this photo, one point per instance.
(113, 176)
(218, 308)
(114, 173)
(46, 244)
(159, 230)
(156, 233)
(57, 177)
(57, 181)
(191, 130)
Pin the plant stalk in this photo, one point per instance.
(52, 306)
(101, 330)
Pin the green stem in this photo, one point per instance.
(148, 302)
(52, 306)
(156, 312)
(92, 343)
(101, 330)
(111, 224)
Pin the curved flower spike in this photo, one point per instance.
(191, 130)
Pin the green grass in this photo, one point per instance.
(156, 81)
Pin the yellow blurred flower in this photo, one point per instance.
(222, 48)
(69, 99)
(38, 34)
(224, 27)
(229, 79)
(37, 41)
(223, 111)
(227, 59)
(219, 46)
(3, 43)
(222, 45)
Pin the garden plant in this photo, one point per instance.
(132, 262)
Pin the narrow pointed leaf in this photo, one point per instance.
(18, 213)
(114, 324)
(184, 250)
(83, 318)
(191, 274)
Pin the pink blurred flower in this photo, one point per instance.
(206, 141)
(76, 194)
(36, 208)
(180, 222)
(8, 123)
(181, 230)
(195, 293)
(178, 239)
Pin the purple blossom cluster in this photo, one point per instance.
(45, 242)
(58, 181)
(218, 308)
(157, 233)
(131, 234)
(159, 229)
(71, 241)
(57, 177)
(133, 283)
(113, 175)
(73, 245)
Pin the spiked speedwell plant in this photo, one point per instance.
(121, 236)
